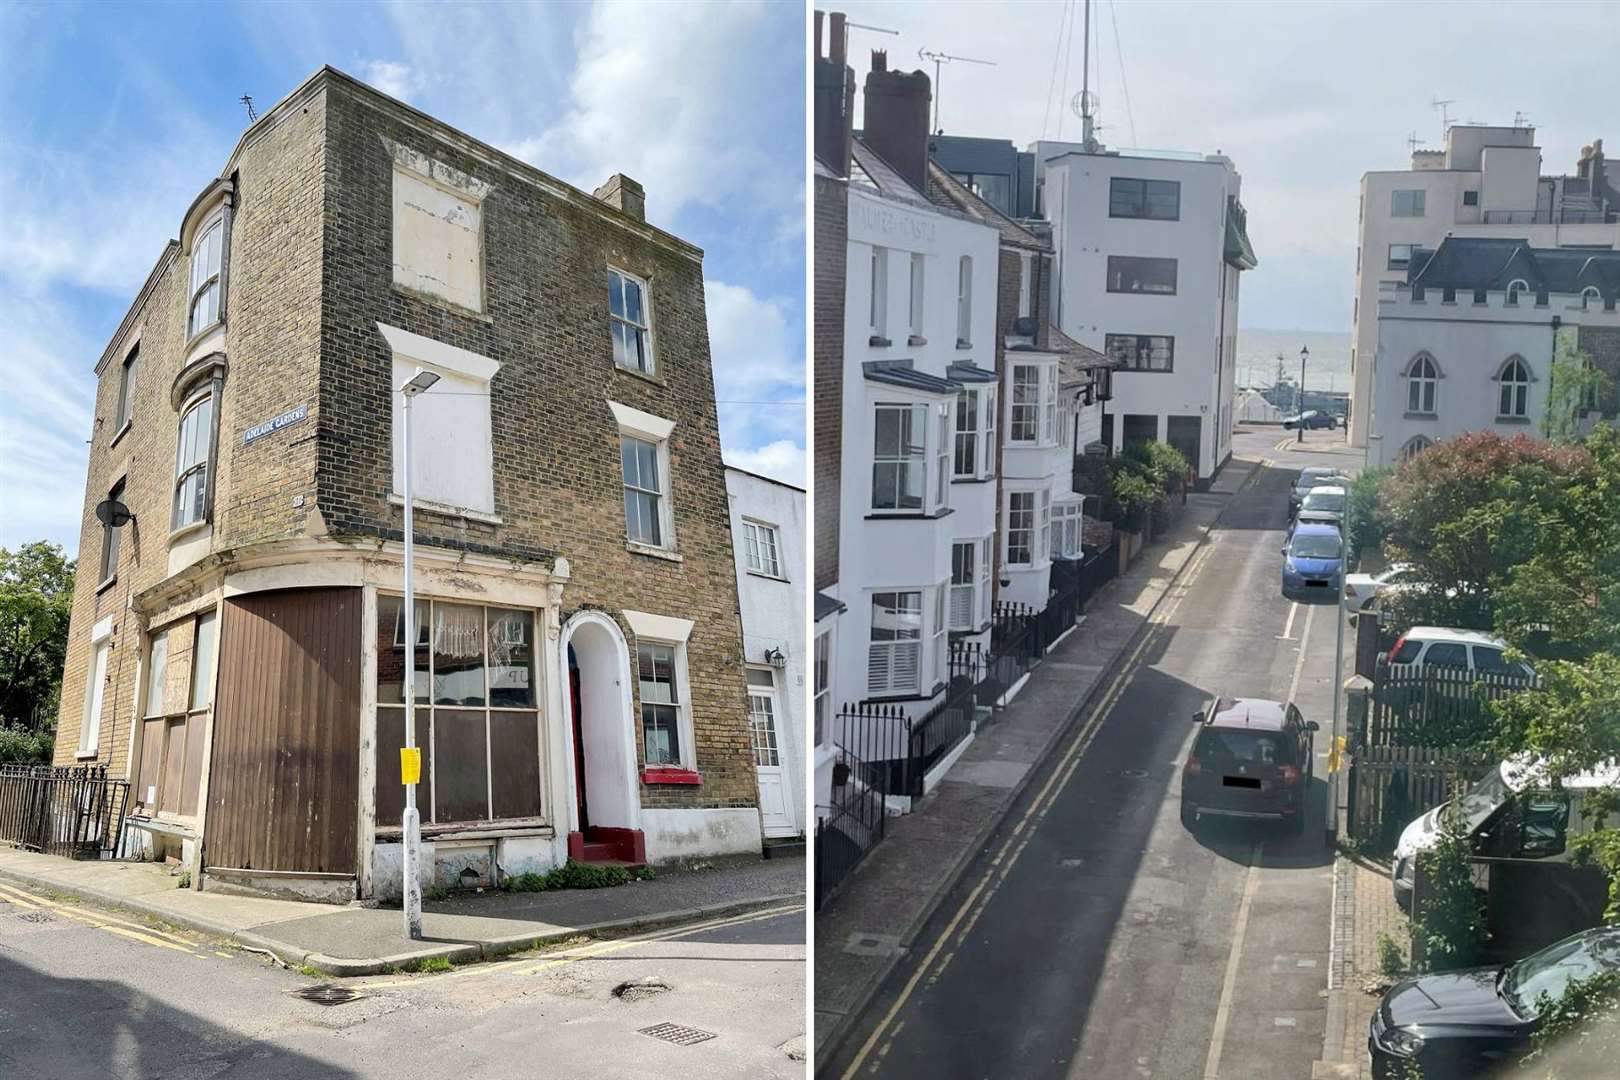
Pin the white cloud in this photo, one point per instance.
(758, 356)
(391, 77)
(781, 460)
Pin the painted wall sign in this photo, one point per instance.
(873, 220)
(291, 416)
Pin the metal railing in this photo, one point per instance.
(75, 812)
(1568, 215)
(851, 827)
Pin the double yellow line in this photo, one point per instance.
(101, 921)
(973, 906)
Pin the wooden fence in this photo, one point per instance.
(1392, 785)
(1434, 706)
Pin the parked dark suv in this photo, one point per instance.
(1252, 759)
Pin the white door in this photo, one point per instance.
(776, 816)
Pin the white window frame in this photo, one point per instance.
(762, 549)
(1417, 203)
(918, 295)
(1515, 287)
(1423, 386)
(210, 246)
(879, 314)
(1024, 414)
(967, 434)
(964, 300)
(1026, 263)
(889, 686)
(1043, 543)
(821, 684)
(1015, 527)
(1049, 432)
(686, 757)
(643, 330)
(989, 467)
(941, 639)
(1068, 517)
(942, 456)
(95, 688)
(771, 714)
(1588, 294)
(916, 453)
(183, 472)
(645, 427)
(1415, 446)
(1516, 392)
(964, 593)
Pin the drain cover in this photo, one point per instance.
(641, 988)
(675, 1033)
(328, 994)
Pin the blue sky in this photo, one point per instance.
(113, 117)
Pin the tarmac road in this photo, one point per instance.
(1096, 937)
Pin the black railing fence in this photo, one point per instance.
(74, 812)
(849, 827)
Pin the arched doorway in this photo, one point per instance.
(604, 803)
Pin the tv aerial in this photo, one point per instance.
(937, 58)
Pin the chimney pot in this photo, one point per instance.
(623, 193)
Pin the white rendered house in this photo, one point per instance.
(1487, 182)
(1467, 342)
(1150, 248)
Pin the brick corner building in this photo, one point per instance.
(237, 649)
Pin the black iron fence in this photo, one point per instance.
(74, 812)
(851, 826)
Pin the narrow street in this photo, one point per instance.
(88, 993)
(1096, 936)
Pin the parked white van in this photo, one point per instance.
(1512, 812)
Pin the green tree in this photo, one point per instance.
(1574, 386)
(1365, 523)
(36, 599)
(1448, 925)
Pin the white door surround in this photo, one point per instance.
(764, 710)
(607, 723)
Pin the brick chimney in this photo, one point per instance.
(625, 194)
(834, 96)
(896, 120)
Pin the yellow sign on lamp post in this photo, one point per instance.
(410, 764)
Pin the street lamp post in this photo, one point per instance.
(1299, 394)
(410, 758)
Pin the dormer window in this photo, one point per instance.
(206, 260)
(1514, 288)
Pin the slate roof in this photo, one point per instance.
(826, 605)
(872, 172)
(947, 191)
(1477, 262)
(901, 373)
(964, 372)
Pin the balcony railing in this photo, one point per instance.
(1563, 216)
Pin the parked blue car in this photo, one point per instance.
(1313, 564)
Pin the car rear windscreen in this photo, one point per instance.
(1257, 747)
(1314, 546)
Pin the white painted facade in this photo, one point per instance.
(1487, 182)
(768, 530)
(1470, 347)
(885, 552)
(1201, 314)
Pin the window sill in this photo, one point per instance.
(971, 479)
(878, 341)
(1513, 420)
(904, 696)
(1420, 416)
(645, 376)
(763, 574)
(653, 552)
(962, 343)
(446, 510)
(916, 339)
(121, 433)
(105, 585)
(915, 515)
(193, 339)
(667, 774)
(472, 830)
(187, 530)
(86, 755)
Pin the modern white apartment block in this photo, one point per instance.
(768, 530)
(1487, 182)
(1150, 247)
(1466, 342)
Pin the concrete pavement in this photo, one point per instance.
(864, 933)
(1093, 935)
(351, 940)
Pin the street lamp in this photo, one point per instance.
(1299, 394)
(410, 760)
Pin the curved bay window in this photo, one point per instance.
(477, 712)
(191, 459)
(207, 258)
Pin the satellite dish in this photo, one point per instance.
(114, 513)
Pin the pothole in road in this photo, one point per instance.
(638, 989)
(36, 917)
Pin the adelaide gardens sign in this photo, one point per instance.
(291, 416)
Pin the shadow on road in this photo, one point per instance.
(64, 1029)
(1232, 839)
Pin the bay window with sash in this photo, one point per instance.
(911, 457)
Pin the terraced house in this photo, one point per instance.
(238, 646)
